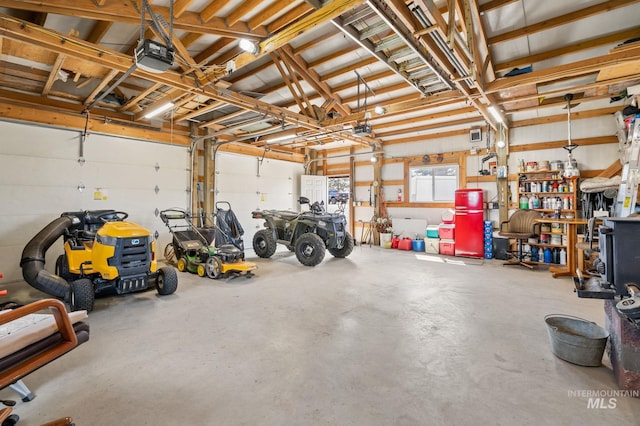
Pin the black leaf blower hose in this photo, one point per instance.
(33, 258)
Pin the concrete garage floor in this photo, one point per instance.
(381, 338)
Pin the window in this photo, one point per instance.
(433, 183)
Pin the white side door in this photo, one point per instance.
(314, 188)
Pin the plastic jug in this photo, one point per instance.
(524, 202)
(534, 202)
(548, 255)
(535, 254)
(395, 241)
(563, 257)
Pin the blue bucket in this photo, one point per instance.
(418, 245)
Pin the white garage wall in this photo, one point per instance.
(249, 183)
(40, 175)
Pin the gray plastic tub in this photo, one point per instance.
(576, 340)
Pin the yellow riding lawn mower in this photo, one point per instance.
(103, 253)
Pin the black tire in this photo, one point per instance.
(310, 249)
(62, 267)
(82, 295)
(346, 249)
(213, 267)
(167, 281)
(169, 253)
(264, 244)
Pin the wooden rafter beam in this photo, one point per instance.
(133, 102)
(312, 78)
(53, 76)
(180, 7)
(98, 31)
(212, 9)
(559, 118)
(214, 48)
(330, 10)
(105, 81)
(126, 11)
(403, 107)
(568, 70)
(200, 111)
(19, 30)
(426, 127)
(293, 15)
(244, 8)
(567, 18)
(268, 12)
(573, 48)
(288, 82)
(495, 4)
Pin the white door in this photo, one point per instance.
(314, 188)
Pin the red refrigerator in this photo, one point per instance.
(469, 223)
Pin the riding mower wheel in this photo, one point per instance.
(167, 281)
(82, 295)
(62, 267)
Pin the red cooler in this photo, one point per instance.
(469, 235)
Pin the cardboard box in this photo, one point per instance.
(448, 247)
(447, 231)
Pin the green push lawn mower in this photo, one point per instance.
(192, 252)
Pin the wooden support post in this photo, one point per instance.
(503, 183)
(209, 182)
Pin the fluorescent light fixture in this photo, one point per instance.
(380, 110)
(249, 46)
(162, 108)
(281, 138)
(496, 114)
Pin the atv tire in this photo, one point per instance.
(346, 249)
(82, 295)
(264, 244)
(167, 281)
(310, 249)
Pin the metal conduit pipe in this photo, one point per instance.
(442, 43)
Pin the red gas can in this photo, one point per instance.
(405, 244)
(395, 241)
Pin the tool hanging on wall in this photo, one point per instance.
(570, 167)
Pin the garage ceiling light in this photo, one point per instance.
(249, 46)
(162, 108)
